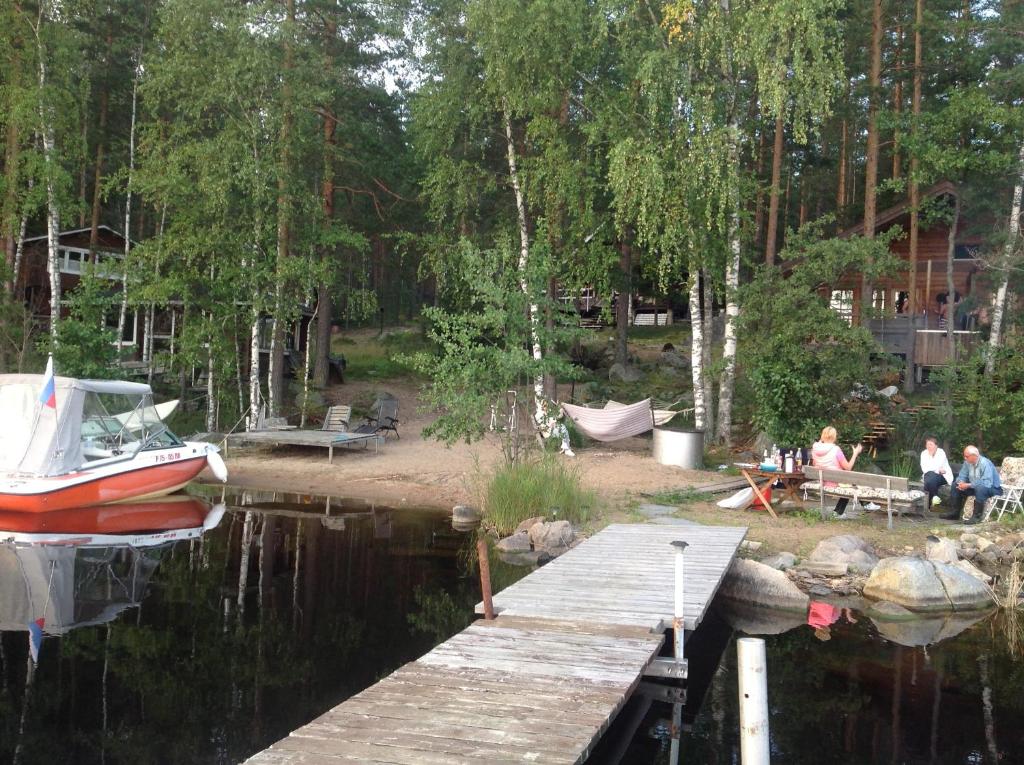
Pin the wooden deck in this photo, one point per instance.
(325, 439)
(542, 681)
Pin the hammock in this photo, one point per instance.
(614, 422)
(661, 416)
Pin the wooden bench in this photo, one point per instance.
(881, 487)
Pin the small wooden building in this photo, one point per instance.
(906, 318)
(33, 285)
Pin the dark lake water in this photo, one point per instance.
(207, 650)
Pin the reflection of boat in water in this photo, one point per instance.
(92, 442)
(89, 572)
(136, 524)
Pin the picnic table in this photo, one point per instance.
(790, 485)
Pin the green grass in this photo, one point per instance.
(684, 496)
(379, 358)
(535, 487)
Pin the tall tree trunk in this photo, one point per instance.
(324, 301)
(871, 160)
(622, 303)
(897, 106)
(697, 351)
(275, 384)
(50, 164)
(759, 200)
(255, 395)
(950, 299)
(841, 184)
(211, 391)
(709, 339)
(101, 136)
(915, 196)
(773, 196)
(1009, 253)
(727, 383)
(9, 215)
(122, 314)
(306, 367)
(524, 255)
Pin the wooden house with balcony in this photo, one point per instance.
(904, 314)
(73, 252)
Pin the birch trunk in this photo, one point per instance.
(254, 372)
(622, 304)
(999, 299)
(697, 351)
(524, 256)
(727, 383)
(10, 212)
(306, 366)
(128, 210)
(709, 340)
(211, 398)
(52, 208)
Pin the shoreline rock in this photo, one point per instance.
(924, 585)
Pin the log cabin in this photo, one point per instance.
(905, 317)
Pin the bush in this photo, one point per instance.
(544, 486)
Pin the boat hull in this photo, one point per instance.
(83, 490)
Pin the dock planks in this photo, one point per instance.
(542, 681)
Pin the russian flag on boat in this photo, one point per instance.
(35, 638)
(48, 395)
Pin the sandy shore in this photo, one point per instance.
(415, 471)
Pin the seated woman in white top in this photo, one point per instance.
(935, 469)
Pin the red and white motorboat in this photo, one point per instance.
(70, 443)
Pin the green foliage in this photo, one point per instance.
(85, 346)
(685, 496)
(437, 614)
(802, 358)
(539, 487)
(986, 411)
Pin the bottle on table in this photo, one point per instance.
(764, 459)
(789, 462)
(799, 459)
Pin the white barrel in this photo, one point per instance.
(681, 448)
(753, 688)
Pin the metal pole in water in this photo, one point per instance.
(753, 688)
(678, 624)
(485, 576)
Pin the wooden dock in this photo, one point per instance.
(325, 439)
(542, 681)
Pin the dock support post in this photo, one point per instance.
(485, 576)
(753, 689)
(678, 623)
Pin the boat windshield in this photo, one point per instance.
(115, 424)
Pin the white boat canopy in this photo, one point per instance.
(41, 441)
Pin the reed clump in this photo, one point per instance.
(540, 486)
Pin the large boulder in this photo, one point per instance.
(940, 549)
(780, 561)
(514, 543)
(756, 584)
(924, 585)
(528, 523)
(674, 358)
(758, 620)
(845, 548)
(556, 535)
(626, 373)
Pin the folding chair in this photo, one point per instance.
(1011, 472)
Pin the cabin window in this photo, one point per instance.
(131, 322)
(841, 301)
(71, 262)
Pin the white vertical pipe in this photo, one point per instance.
(678, 623)
(753, 687)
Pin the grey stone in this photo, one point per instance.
(925, 630)
(970, 568)
(889, 391)
(465, 514)
(941, 549)
(749, 544)
(754, 583)
(923, 585)
(845, 548)
(675, 359)
(886, 610)
(969, 539)
(624, 373)
(780, 561)
(551, 536)
(825, 568)
(528, 558)
(821, 590)
(528, 523)
(653, 511)
(759, 620)
(984, 543)
(518, 542)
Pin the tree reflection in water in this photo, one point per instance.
(226, 643)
